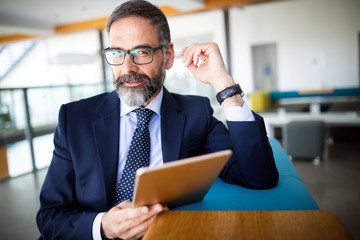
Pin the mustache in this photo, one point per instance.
(134, 77)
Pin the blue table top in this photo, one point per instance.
(289, 194)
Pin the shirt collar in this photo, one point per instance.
(154, 105)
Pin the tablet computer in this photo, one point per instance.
(179, 182)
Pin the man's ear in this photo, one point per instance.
(169, 55)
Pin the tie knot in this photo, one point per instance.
(143, 116)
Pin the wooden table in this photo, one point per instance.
(205, 225)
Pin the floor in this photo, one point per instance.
(19, 203)
(334, 184)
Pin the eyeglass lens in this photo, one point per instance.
(139, 55)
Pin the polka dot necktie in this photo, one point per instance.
(138, 155)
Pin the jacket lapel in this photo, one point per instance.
(172, 126)
(106, 133)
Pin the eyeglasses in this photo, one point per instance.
(140, 56)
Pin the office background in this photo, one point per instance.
(272, 46)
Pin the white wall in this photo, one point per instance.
(198, 24)
(39, 69)
(317, 42)
(32, 70)
(186, 29)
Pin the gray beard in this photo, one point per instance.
(137, 96)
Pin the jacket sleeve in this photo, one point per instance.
(60, 216)
(252, 164)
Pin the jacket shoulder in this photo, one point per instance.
(108, 100)
(89, 101)
(191, 101)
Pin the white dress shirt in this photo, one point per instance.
(127, 128)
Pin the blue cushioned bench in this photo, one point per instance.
(336, 92)
(289, 194)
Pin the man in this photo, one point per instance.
(81, 197)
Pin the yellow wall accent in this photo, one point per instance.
(4, 170)
(15, 37)
(228, 3)
(99, 23)
(168, 11)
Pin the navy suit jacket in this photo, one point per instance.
(81, 178)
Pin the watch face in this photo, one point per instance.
(228, 92)
(224, 94)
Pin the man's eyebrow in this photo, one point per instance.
(137, 46)
(143, 46)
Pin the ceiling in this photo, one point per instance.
(31, 18)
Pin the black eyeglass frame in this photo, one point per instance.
(128, 52)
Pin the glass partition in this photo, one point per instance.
(28, 118)
(12, 131)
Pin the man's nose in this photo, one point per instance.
(128, 66)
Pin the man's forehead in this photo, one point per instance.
(135, 31)
(132, 23)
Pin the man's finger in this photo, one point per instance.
(136, 230)
(127, 214)
(138, 226)
(125, 204)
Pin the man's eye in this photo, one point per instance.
(140, 52)
(117, 53)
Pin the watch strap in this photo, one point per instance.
(229, 92)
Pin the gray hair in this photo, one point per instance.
(146, 10)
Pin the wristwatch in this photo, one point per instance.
(228, 92)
